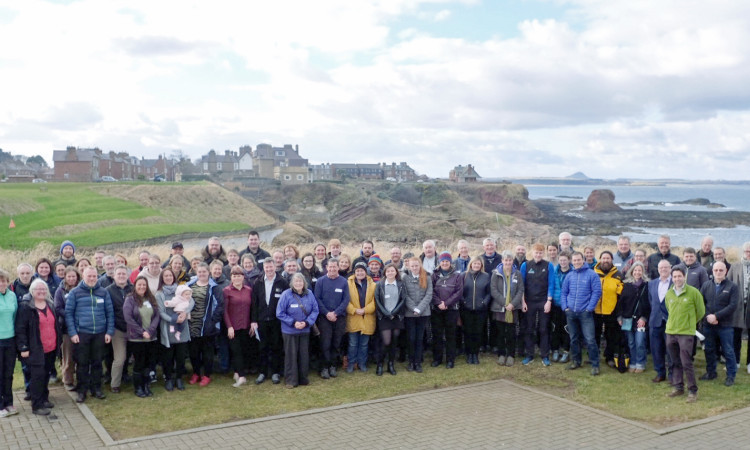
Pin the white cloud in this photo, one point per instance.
(605, 82)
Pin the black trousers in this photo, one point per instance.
(201, 354)
(473, 324)
(270, 347)
(331, 334)
(7, 364)
(88, 353)
(559, 339)
(296, 358)
(506, 339)
(173, 359)
(612, 334)
(536, 321)
(444, 324)
(240, 347)
(144, 354)
(39, 380)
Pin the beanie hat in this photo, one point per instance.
(360, 265)
(375, 258)
(65, 244)
(445, 256)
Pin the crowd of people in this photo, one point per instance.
(277, 314)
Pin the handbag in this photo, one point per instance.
(627, 324)
(314, 330)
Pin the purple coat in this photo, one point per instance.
(133, 319)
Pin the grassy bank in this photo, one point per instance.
(97, 214)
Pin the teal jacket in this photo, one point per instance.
(8, 309)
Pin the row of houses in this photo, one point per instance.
(284, 164)
(91, 164)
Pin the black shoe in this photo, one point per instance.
(48, 404)
(449, 365)
(729, 382)
(573, 366)
(476, 358)
(147, 389)
(391, 368)
(410, 367)
(27, 397)
(139, 392)
(379, 370)
(418, 367)
(180, 384)
(115, 390)
(81, 397)
(708, 376)
(41, 412)
(332, 371)
(99, 394)
(169, 385)
(436, 363)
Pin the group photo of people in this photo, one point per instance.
(101, 325)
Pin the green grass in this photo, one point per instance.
(632, 396)
(87, 217)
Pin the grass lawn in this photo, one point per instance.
(85, 214)
(632, 396)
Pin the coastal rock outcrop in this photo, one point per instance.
(601, 200)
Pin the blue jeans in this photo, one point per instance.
(726, 336)
(659, 354)
(582, 323)
(637, 346)
(358, 349)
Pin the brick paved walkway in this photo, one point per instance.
(485, 415)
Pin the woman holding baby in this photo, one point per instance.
(174, 342)
(142, 317)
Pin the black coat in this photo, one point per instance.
(28, 338)
(633, 302)
(722, 304)
(118, 294)
(259, 310)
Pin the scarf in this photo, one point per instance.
(168, 291)
(508, 314)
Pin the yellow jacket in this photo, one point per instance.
(354, 322)
(611, 289)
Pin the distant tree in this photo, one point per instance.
(37, 160)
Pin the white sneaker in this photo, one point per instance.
(240, 382)
(3, 413)
(236, 376)
(11, 410)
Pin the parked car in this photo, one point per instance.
(108, 179)
(37, 180)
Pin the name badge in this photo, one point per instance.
(387, 295)
(294, 306)
(277, 295)
(338, 290)
(148, 305)
(514, 281)
(99, 300)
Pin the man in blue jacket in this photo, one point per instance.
(332, 292)
(91, 323)
(581, 291)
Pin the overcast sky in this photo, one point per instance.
(636, 88)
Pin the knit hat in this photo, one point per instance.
(375, 258)
(360, 265)
(445, 256)
(182, 288)
(65, 244)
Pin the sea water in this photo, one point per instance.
(734, 197)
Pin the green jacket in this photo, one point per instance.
(685, 310)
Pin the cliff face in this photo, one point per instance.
(601, 200)
(510, 199)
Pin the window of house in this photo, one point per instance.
(218, 166)
(300, 177)
(287, 177)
